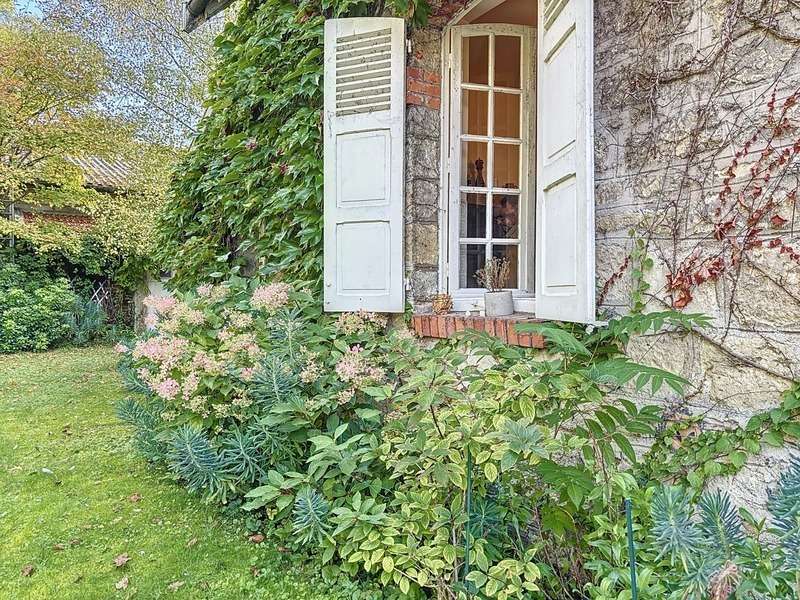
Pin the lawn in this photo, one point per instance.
(75, 497)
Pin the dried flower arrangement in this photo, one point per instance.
(494, 276)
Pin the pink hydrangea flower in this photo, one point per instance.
(204, 291)
(161, 304)
(121, 349)
(167, 389)
(270, 297)
(247, 373)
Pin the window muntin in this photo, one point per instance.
(490, 135)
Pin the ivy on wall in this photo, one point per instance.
(249, 193)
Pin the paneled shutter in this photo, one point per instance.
(364, 174)
(565, 277)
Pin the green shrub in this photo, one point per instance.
(32, 318)
(412, 464)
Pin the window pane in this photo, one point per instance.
(472, 257)
(475, 112)
(511, 254)
(473, 216)
(506, 166)
(507, 61)
(506, 115)
(473, 163)
(505, 216)
(475, 60)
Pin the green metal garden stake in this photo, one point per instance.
(631, 548)
(468, 506)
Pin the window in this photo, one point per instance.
(491, 154)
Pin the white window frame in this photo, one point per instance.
(471, 299)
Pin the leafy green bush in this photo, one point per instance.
(32, 312)
(469, 466)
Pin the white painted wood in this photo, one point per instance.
(565, 257)
(364, 127)
(472, 298)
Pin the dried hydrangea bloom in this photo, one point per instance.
(271, 297)
(205, 290)
(167, 389)
(161, 304)
(345, 396)
(358, 322)
(354, 368)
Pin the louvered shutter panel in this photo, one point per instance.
(565, 274)
(364, 174)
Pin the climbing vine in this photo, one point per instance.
(249, 193)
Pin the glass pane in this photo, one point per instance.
(507, 61)
(475, 60)
(511, 254)
(505, 216)
(473, 216)
(506, 166)
(475, 112)
(473, 163)
(506, 115)
(472, 257)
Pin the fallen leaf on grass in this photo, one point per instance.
(75, 542)
(255, 571)
(135, 497)
(27, 570)
(191, 542)
(59, 546)
(122, 584)
(256, 538)
(121, 560)
(175, 586)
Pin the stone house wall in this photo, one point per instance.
(680, 86)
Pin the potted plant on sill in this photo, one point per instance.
(497, 302)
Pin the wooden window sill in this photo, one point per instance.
(444, 326)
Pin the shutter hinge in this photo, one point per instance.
(408, 46)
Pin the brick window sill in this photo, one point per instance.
(444, 326)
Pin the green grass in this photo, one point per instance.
(67, 474)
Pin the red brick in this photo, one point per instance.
(426, 326)
(500, 329)
(414, 73)
(432, 77)
(426, 89)
(450, 326)
(434, 103)
(513, 339)
(415, 99)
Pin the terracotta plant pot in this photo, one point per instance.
(498, 304)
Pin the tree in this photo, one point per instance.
(158, 72)
(53, 91)
(50, 86)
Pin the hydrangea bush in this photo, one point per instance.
(461, 468)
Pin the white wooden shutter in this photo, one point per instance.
(364, 173)
(565, 278)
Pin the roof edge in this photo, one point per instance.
(198, 12)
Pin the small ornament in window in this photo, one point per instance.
(442, 304)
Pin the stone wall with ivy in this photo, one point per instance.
(697, 148)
